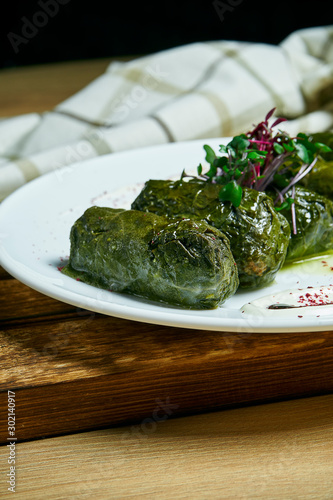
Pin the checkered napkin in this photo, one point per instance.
(199, 90)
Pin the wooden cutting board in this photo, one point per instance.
(74, 370)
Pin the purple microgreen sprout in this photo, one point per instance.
(264, 160)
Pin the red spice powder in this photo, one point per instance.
(314, 299)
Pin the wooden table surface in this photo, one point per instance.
(276, 446)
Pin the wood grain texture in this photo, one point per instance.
(75, 370)
(20, 304)
(277, 451)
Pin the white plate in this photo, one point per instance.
(35, 222)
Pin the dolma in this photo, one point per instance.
(258, 235)
(173, 261)
(313, 222)
(320, 179)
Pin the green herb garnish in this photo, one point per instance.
(262, 160)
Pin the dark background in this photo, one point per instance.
(65, 30)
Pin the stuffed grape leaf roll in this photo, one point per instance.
(314, 224)
(258, 235)
(173, 261)
(320, 179)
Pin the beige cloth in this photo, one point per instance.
(200, 90)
